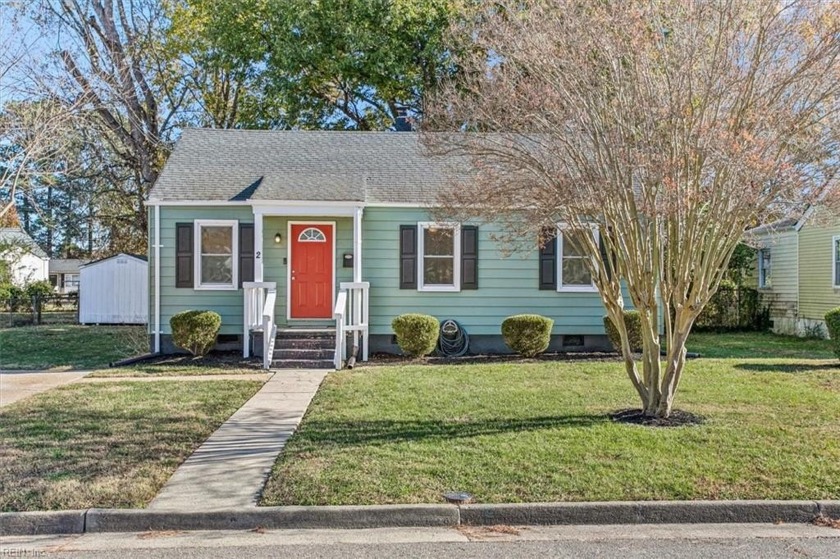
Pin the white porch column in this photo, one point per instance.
(357, 244)
(259, 255)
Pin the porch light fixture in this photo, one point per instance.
(278, 238)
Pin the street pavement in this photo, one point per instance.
(713, 541)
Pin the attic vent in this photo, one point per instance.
(122, 260)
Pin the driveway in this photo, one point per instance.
(16, 386)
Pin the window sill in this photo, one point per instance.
(439, 289)
(568, 289)
(216, 288)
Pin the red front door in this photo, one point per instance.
(311, 265)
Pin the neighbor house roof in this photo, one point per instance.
(66, 265)
(320, 166)
(775, 227)
(17, 237)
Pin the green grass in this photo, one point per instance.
(69, 346)
(185, 365)
(758, 344)
(107, 444)
(539, 431)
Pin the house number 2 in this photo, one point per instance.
(258, 254)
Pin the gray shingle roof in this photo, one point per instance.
(17, 237)
(384, 167)
(66, 265)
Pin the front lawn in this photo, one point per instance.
(539, 431)
(216, 363)
(758, 344)
(107, 444)
(69, 346)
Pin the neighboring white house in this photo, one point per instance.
(27, 261)
(64, 274)
(114, 290)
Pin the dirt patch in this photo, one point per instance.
(483, 533)
(827, 522)
(678, 418)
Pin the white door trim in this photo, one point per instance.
(291, 261)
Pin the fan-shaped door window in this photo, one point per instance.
(312, 235)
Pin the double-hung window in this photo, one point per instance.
(439, 251)
(216, 248)
(835, 247)
(573, 273)
(764, 268)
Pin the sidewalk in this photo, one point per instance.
(230, 468)
(15, 386)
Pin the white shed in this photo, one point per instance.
(114, 290)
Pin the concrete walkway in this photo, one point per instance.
(15, 386)
(230, 468)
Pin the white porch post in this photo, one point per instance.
(357, 244)
(259, 255)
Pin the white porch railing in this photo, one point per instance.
(259, 300)
(351, 314)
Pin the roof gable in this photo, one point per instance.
(17, 237)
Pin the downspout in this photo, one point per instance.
(157, 278)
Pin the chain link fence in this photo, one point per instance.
(25, 310)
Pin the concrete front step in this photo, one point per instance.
(304, 343)
(302, 364)
(306, 333)
(305, 353)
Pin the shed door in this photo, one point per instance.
(311, 271)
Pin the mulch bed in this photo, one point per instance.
(390, 359)
(215, 359)
(678, 418)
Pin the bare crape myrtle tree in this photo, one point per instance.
(670, 127)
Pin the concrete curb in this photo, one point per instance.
(42, 522)
(644, 512)
(116, 520)
(382, 516)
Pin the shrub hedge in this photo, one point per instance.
(195, 331)
(417, 334)
(633, 323)
(527, 334)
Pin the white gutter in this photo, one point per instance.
(157, 279)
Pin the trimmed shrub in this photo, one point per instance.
(417, 334)
(633, 323)
(832, 322)
(41, 288)
(527, 334)
(195, 331)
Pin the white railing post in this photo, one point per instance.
(366, 321)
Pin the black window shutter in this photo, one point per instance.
(408, 256)
(184, 255)
(246, 252)
(548, 260)
(469, 257)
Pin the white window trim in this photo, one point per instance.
(572, 288)
(234, 225)
(456, 265)
(835, 281)
(762, 273)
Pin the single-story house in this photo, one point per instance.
(114, 290)
(27, 262)
(317, 230)
(798, 270)
(64, 274)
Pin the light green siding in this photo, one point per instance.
(506, 285)
(173, 299)
(276, 270)
(782, 296)
(817, 294)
